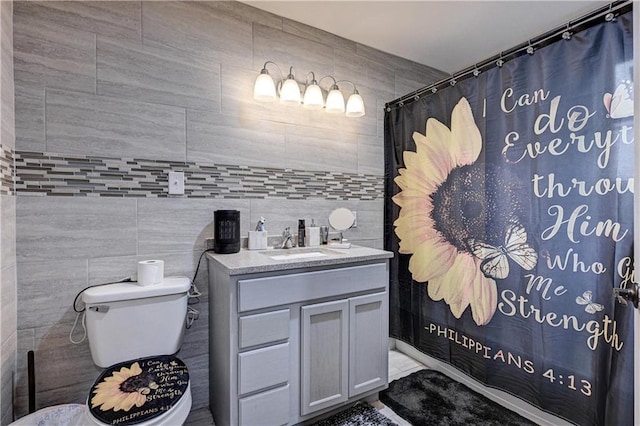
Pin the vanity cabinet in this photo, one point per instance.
(292, 342)
(344, 350)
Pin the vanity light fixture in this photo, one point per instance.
(266, 89)
(290, 91)
(313, 98)
(335, 100)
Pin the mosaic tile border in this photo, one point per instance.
(7, 171)
(59, 175)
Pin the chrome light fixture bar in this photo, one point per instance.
(266, 89)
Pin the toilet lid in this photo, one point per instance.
(138, 390)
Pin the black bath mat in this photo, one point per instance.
(429, 398)
(361, 414)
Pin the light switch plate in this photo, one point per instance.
(176, 183)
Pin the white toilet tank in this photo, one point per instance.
(127, 321)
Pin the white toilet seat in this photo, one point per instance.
(143, 392)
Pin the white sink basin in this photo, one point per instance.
(299, 253)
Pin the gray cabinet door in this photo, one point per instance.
(325, 351)
(368, 347)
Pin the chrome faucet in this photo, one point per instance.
(287, 238)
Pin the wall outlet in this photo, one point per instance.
(355, 219)
(176, 183)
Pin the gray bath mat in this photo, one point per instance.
(429, 398)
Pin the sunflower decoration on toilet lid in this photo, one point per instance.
(138, 390)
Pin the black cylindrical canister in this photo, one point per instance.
(226, 231)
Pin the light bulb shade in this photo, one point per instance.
(335, 102)
(313, 98)
(290, 92)
(355, 106)
(264, 89)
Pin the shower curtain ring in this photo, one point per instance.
(530, 49)
(610, 16)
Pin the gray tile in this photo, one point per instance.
(7, 366)
(199, 417)
(109, 269)
(245, 13)
(25, 343)
(51, 54)
(155, 75)
(382, 80)
(7, 135)
(377, 243)
(8, 303)
(199, 376)
(350, 65)
(370, 215)
(8, 226)
(85, 124)
(286, 50)
(179, 225)
(196, 338)
(371, 155)
(199, 29)
(299, 29)
(423, 74)
(405, 84)
(49, 288)
(173, 225)
(29, 104)
(115, 19)
(318, 149)
(383, 58)
(60, 364)
(74, 227)
(218, 139)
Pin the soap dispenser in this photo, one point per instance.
(258, 238)
(301, 233)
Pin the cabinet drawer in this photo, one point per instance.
(263, 328)
(263, 367)
(266, 408)
(261, 293)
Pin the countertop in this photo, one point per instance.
(255, 261)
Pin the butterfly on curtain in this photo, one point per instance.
(620, 104)
(495, 260)
(587, 300)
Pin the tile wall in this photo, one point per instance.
(111, 96)
(8, 306)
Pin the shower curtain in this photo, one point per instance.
(509, 206)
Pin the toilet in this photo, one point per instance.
(133, 332)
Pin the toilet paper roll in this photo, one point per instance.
(150, 272)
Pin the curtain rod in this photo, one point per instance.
(610, 12)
